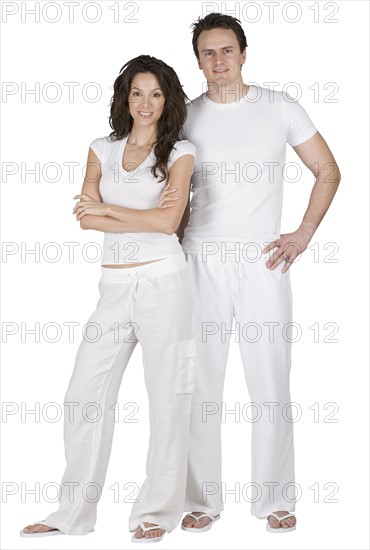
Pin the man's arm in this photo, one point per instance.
(316, 155)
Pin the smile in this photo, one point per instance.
(145, 115)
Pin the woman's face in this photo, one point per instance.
(146, 99)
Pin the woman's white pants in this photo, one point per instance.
(260, 300)
(150, 304)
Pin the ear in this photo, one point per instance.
(199, 64)
(244, 56)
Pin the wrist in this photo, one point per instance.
(308, 228)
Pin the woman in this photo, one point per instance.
(145, 292)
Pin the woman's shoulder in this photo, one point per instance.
(182, 147)
(104, 144)
(104, 140)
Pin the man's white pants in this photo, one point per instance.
(260, 300)
(150, 304)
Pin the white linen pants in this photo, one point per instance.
(260, 300)
(150, 304)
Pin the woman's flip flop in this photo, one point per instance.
(55, 531)
(280, 529)
(146, 539)
(200, 529)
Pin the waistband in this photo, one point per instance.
(153, 269)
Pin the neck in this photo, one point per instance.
(142, 136)
(227, 92)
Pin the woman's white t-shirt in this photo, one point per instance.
(137, 189)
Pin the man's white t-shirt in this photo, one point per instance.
(238, 175)
(137, 189)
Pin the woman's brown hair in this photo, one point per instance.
(170, 124)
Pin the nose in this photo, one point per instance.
(219, 57)
(145, 102)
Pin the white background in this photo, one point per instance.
(39, 130)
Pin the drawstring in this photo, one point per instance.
(137, 276)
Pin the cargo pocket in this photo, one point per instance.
(186, 362)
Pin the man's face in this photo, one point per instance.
(219, 56)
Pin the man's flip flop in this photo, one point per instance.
(280, 529)
(200, 529)
(146, 539)
(45, 534)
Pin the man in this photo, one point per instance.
(240, 266)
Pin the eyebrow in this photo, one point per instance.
(223, 48)
(137, 88)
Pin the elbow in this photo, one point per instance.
(166, 226)
(167, 223)
(170, 228)
(83, 224)
(172, 225)
(337, 181)
(337, 175)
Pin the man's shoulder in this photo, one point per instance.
(264, 93)
(196, 102)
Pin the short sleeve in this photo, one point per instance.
(98, 147)
(182, 148)
(299, 125)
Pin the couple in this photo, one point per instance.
(175, 286)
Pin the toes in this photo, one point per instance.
(191, 522)
(139, 534)
(188, 521)
(273, 522)
(202, 522)
(38, 528)
(154, 533)
(289, 522)
(286, 523)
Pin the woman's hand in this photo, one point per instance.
(165, 200)
(88, 205)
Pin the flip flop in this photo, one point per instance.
(200, 529)
(46, 534)
(145, 539)
(280, 529)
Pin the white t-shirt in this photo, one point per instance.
(137, 189)
(237, 181)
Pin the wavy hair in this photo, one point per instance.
(170, 124)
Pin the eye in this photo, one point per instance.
(135, 92)
(157, 94)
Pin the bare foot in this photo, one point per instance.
(38, 528)
(275, 524)
(191, 522)
(139, 534)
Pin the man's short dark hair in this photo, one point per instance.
(218, 21)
